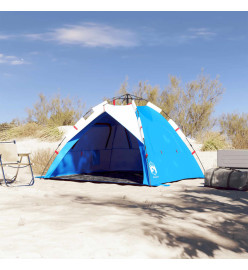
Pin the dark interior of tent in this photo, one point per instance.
(105, 152)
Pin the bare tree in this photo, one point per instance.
(191, 105)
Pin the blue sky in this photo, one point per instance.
(89, 54)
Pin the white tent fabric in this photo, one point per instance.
(121, 114)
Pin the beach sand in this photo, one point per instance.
(62, 219)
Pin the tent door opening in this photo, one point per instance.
(106, 152)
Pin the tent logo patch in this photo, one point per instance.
(152, 168)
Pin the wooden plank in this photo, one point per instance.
(232, 159)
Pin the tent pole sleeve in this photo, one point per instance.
(146, 155)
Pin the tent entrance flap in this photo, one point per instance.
(106, 147)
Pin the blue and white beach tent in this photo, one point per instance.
(125, 139)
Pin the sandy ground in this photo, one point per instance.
(59, 219)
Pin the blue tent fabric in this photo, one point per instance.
(105, 145)
(169, 159)
(146, 179)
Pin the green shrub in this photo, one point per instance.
(55, 111)
(213, 141)
(240, 141)
(235, 126)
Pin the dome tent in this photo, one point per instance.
(135, 143)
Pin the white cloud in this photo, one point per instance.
(11, 60)
(102, 35)
(204, 33)
(90, 35)
(2, 37)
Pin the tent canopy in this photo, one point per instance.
(126, 138)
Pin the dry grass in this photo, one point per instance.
(40, 160)
(213, 141)
(5, 126)
(31, 130)
(50, 133)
